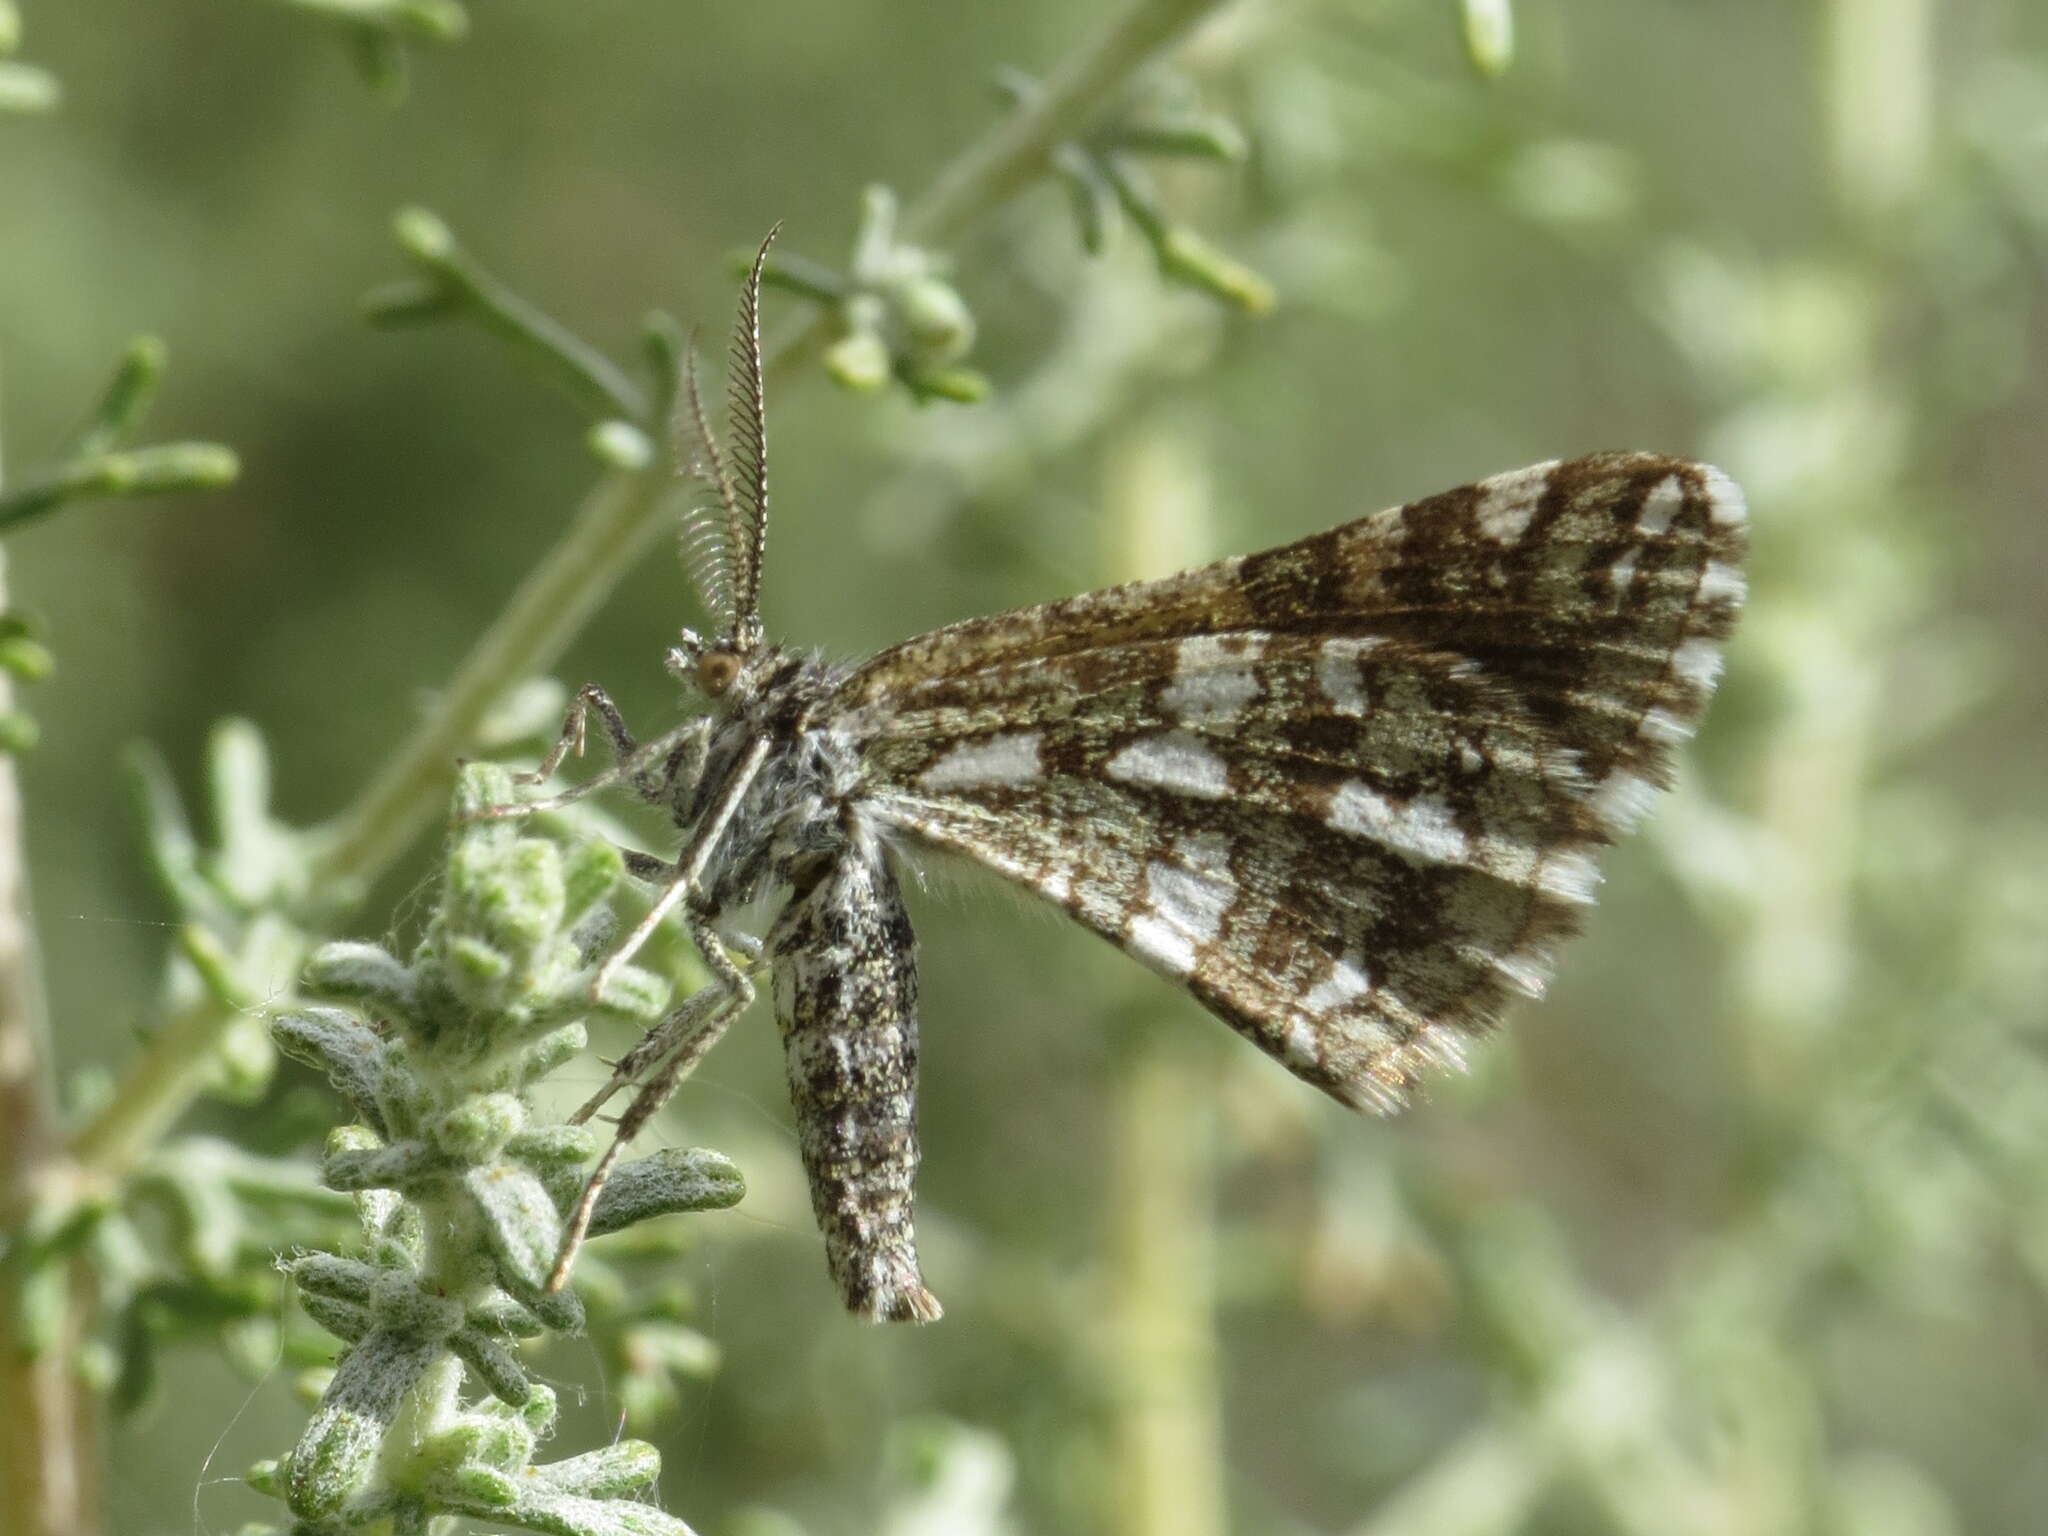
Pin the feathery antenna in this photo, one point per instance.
(722, 546)
(747, 422)
(706, 536)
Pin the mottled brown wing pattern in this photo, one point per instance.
(1348, 791)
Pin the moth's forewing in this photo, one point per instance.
(1348, 791)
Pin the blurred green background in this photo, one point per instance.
(1745, 1230)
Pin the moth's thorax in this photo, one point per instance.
(795, 807)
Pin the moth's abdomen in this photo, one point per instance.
(846, 999)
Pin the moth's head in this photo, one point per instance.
(721, 668)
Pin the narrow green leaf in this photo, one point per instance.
(127, 399)
(519, 1220)
(338, 1451)
(1198, 135)
(674, 1179)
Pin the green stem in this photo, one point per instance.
(1878, 85)
(1020, 150)
(1161, 1355)
(171, 1070)
(127, 398)
(617, 522)
(456, 280)
(166, 469)
(46, 1448)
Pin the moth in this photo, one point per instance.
(1349, 793)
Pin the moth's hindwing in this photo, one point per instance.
(845, 981)
(1349, 791)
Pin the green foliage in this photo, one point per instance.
(452, 284)
(461, 1192)
(1102, 177)
(94, 465)
(896, 315)
(1488, 29)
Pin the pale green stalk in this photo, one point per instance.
(1167, 1455)
(1160, 1351)
(621, 518)
(45, 1417)
(1879, 99)
(1018, 151)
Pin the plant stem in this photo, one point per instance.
(612, 528)
(1020, 149)
(170, 1071)
(45, 1438)
(1166, 1398)
(455, 280)
(1878, 91)
(617, 522)
(438, 21)
(1167, 1430)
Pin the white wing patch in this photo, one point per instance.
(1340, 677)
(1722, 583)
(1160, 945)
(1623, 799)
(1192, 902)
(1665, 501)
(1215, 678)
(1172, 760)
(1726, 506)
(1623, 573)
(1697, 662)
(1422, 827)
(1347, 979)
(1571, 876)
(1508, 502)
(1015, 758)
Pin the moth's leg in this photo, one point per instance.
(749, 947)
(649, 766)
(846, 1000)
(671, 760)
(686, 883)
(729, 980)
(665, 1055)
(655, 870)
(673, 1047)
(730, 990)
(574, 724)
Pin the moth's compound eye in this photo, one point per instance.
(718, 671)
